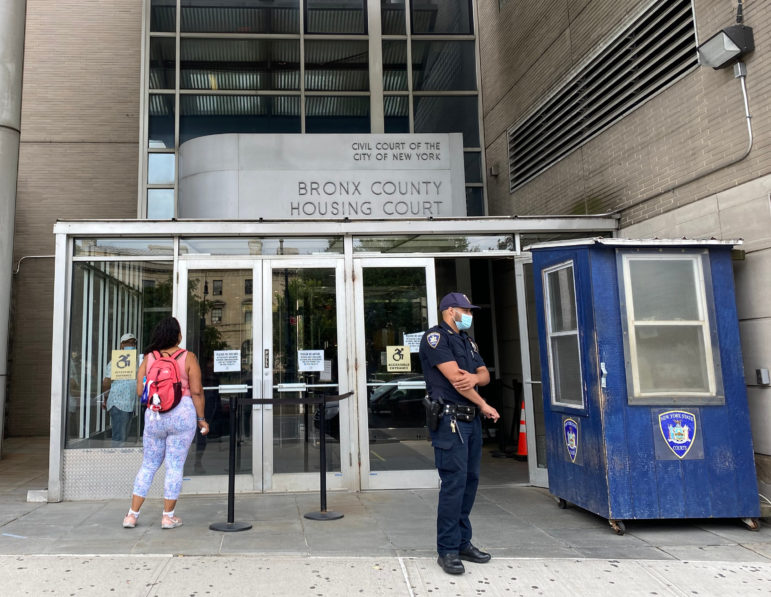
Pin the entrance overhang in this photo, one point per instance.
(345, 227)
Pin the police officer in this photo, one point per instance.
(453, 369)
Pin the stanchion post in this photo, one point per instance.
(232, 460)
(323, 514)
(230, 525)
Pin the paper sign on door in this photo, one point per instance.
(413, 341)
(227, 360)
(310, 360)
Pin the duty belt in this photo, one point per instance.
(460, 411)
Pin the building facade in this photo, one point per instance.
(592, 112)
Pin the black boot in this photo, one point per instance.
(472, 554)
(451, 563)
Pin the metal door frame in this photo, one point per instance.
(398, 479)
(304, 481)
(215, 483)
(538, 476)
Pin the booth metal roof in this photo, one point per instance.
(632, 242)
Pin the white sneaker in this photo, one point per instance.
(170, 522)
(130, 521)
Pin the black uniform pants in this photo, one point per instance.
(458, 466)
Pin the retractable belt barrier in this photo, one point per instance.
(323, 513)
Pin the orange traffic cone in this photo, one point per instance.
(522, 442)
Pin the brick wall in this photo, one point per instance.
(695, 125)
(77, 160)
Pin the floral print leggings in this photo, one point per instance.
(167, 436)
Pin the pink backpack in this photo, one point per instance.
(163, 387)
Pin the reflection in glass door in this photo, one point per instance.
(301, 348)
(531, 368)
(219, 319)
(395, 304)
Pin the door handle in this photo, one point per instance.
(233, 389)
(292, 387)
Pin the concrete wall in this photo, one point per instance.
(78, 159)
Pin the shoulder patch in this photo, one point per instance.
(433, 339)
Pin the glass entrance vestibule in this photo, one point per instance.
(288, 310)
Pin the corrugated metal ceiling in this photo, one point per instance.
(222, 64)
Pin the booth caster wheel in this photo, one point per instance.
(752, 524)
(562, 504)
(618, 526)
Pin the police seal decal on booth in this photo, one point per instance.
(679, 430)
(571, 437)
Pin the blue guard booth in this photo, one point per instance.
(644, 395)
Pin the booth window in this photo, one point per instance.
(564, 352)
(669, 346)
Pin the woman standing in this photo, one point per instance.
(168, 435)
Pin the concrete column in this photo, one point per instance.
(376, 104)
(12, 18)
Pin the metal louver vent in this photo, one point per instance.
(651, 54)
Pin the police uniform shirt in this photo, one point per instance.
(441, 344)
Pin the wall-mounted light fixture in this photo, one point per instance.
(725, 49)
(727, 46)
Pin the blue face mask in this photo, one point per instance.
(465, 321)
(130, 348)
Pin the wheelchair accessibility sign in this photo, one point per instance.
(398, 359)
(124, 364)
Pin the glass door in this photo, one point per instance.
(531, 372)
(303, 358)
(395, 304)
(215, 303)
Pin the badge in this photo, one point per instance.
(679, 430)
(571, 438)
(474, 346)
(433, 339)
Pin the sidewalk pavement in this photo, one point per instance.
(384, 545)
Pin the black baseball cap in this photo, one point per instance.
(455, 299)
